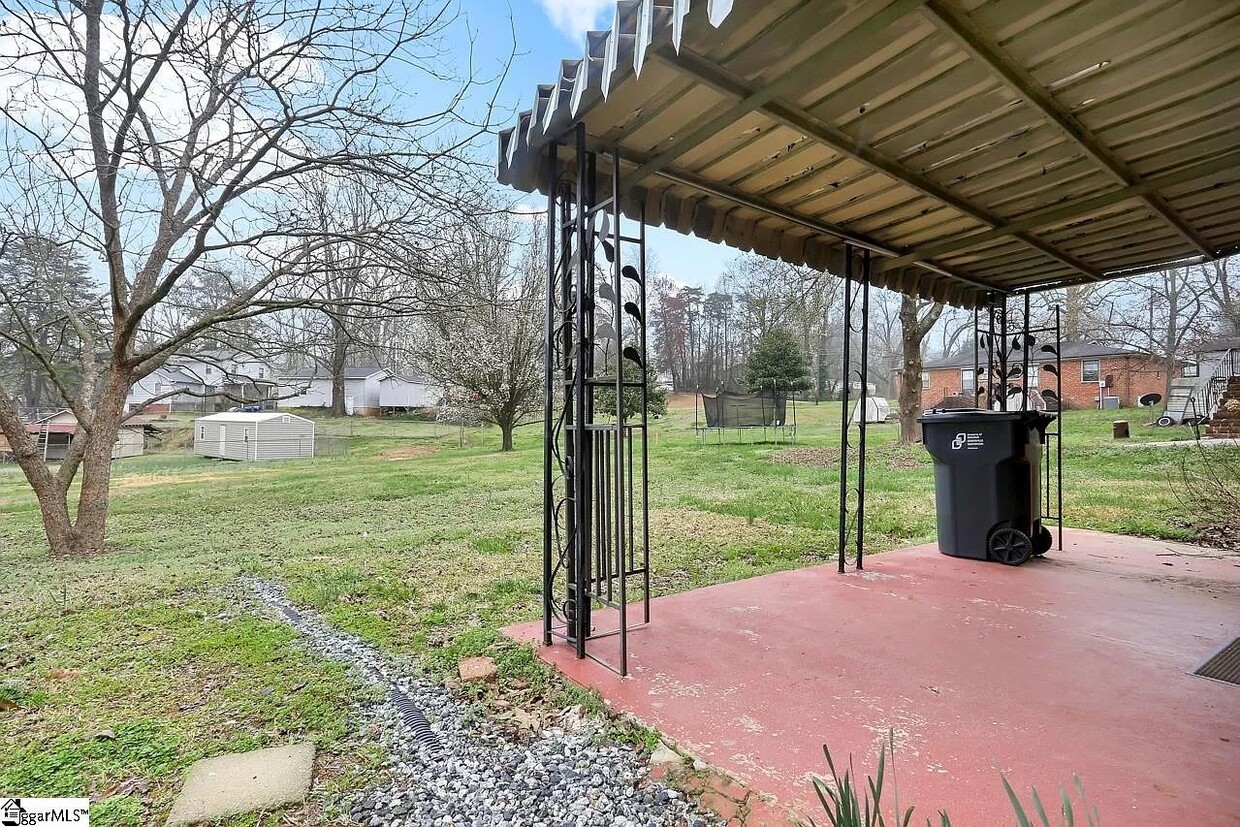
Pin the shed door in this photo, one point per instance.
(223, 440)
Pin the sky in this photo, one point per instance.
(546, 32)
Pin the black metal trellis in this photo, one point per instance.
(856, 290)
(1037, 346)
(596, 526)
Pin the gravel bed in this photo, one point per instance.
(477, 777)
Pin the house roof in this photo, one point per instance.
(1220, 344)
(222, 354)
(175, 373)
(413, 378)
(974, 147)
(350, 372)
(70, 425)
(1068, 351)
(249, 418)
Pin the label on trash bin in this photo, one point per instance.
(968, 442)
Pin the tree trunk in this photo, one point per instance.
(506, 431)
(340, 356)
(909, 401)
(66, 536)
(1073, 319)
(1170, 336)
(913, 330)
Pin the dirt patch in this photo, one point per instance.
(681, 401)
(410, 452)
(150, 480)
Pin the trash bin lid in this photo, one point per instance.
(968, 415)
(982, 415)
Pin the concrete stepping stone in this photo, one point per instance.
(243, 782)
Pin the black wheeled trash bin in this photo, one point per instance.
(987, 482)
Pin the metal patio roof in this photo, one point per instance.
(997, 145)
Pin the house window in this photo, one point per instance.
(1031, 378)
(1089, 370)
(1191, 370)
(925, 379)
(209, 369)
(159, 387)
(967, 380)
(260, 372)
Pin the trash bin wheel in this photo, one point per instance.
(1010, 546)
(1165, 422)
(1042, 542)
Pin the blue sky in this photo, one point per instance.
(548, 31)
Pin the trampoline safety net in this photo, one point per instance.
(745, 410)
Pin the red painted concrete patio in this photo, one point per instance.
(1078, 663)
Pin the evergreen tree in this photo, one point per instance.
(777, 364)
(656, 394)
(47, 304)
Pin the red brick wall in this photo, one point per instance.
(1226, 420)
(1131, 378)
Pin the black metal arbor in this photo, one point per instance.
(596, 527)
(596, 537)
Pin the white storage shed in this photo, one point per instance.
(877, 409)
(254, 436)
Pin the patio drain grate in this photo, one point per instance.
(1223, 665)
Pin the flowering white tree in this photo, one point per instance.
(490, 348)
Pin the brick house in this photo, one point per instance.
(1087, 369)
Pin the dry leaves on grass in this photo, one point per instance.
(808, 457)
(1221, 534)
(893, 456)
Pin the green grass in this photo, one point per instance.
(128, 666)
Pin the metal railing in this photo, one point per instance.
(1214, 378)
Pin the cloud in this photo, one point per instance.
(576, 17)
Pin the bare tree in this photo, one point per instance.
(357, 285)
(1156, 314)
(916, 320)
(1221, 278)
(163, 137)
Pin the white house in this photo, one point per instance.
(398, 392)
(313, 389)
(234, 376)
(220, 367)
(254, 436)
(163, 380)
(207, 381)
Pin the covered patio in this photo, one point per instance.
(971, 152)
(1078, 663)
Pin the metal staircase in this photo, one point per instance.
(1214, 379)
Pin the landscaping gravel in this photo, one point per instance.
(475, 776)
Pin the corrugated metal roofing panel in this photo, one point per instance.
(1023, 144)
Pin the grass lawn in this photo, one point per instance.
(118, 671)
